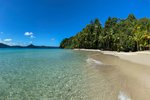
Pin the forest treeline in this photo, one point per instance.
(130, 34)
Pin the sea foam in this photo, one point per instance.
(123, 96)
(93, 61)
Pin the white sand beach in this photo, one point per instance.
(127, 72)
(140, 57)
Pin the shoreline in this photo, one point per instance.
(140, 57)
(126, 75)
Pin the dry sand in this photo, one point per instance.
(120, 79)
(141, 57)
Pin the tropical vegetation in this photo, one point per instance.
(130, 34)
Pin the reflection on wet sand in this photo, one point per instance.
(116, 79)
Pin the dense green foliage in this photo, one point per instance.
(128, 34)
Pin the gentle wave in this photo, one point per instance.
(123, 96)
(93, 61)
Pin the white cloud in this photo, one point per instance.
(29, 34)
(52, 39)
(10, 42)
(7, 40)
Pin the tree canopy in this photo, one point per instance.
(128, 34)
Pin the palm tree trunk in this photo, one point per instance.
(137, 46)
(149, 44)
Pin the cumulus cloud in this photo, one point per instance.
(29, 34)
(10, 42)
(7, 40)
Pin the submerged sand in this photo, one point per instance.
(120, 79)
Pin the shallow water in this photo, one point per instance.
(57, 74)
(42, 74)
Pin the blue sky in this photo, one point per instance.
(47, 22)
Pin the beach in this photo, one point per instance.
(127, 73)
(141, 57)
(63, 74)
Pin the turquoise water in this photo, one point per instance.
(42, 74)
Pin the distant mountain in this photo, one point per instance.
(29, 46)
(3, 45)
(32, 46)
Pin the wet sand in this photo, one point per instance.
(118, 79)
(140, 57)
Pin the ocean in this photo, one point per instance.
(42, 74)
(57, 74)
